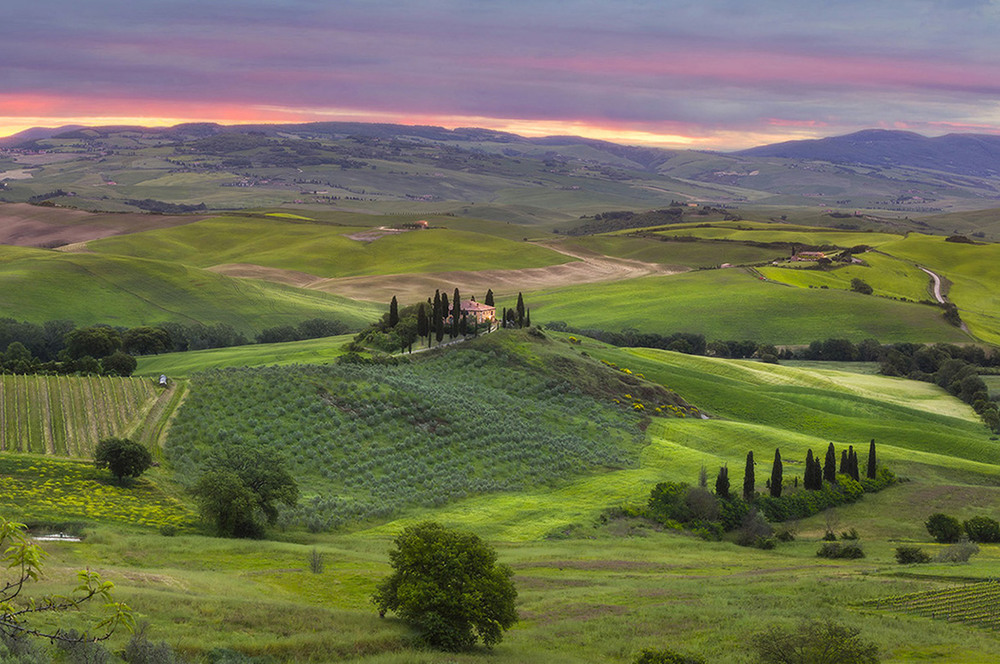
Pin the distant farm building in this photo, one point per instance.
(478, 313)
(809, 256)
(423, 224)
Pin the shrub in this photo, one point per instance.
(851, 534)
(943, 528)
(960, 552)
(911, 555)
(754, 530)
(662, 656)
(837, 550)
(982, 529)
(814, 643)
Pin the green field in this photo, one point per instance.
(588, 591)
(732, 304)
(67, 415)
(39, 285)
(889, 277)
(760, 232)
(324, 250)
(309, 351)
(688, 254)
(973, 270)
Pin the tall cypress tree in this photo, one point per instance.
(807, 476)
(749, 483)
(445, 305)
(520, 310)
(855, 472)
(844, 463)
(527, 318)
(776, 474)
(722, 483)
(422, 328)
(393, 312)
(456, 314)
(871, 460)
(830, 465)
(488, 300)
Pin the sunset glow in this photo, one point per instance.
(713, 75)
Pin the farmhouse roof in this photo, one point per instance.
(472, 305)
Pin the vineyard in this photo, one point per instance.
(67, 415)
(365, 441)
(975, 604)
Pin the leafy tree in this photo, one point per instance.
(749, 482)
(943, 528)
(814, 643)
(119, 364)
(722, 483)
(982, 529)
(830, 465)
(776, 474)
(123, 457)
(97, 342)
(393, 312)
(448, 584)
(146, 340)
(872, 466)
(240, 489)
(33, 616)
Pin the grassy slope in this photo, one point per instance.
(731, 304)
(973, 270)
(690, 254)
(596, 594)
(310, 351)
(325, 250)
(39, 285)
(889, 277)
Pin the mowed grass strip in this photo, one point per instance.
(688, 254)
(309, 351)
(39, 285)
(327, 251)
(732, 304)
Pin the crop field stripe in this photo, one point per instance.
(21, 408)
(4, 392)
(57, 422)
(162, 423)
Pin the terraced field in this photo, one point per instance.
(68, 415)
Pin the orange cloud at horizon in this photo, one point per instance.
(21, 112)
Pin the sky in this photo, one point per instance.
(707, 74)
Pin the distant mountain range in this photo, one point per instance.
(963, 154)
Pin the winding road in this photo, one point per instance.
(937, 286)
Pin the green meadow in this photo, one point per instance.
(327, 251)
(734, 304)
(888, 276)
(588, 589)
(688, 254)
(309, 351)
(39, 285)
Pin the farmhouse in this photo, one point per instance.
(478, 313)
(809, 256)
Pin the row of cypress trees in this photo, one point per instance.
(815, 472)
(439, 316)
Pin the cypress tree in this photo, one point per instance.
(445, 305)
(807, 476)
(852, 463)
(843, 463)
(527, 318)
(722, 483)
(488, 300)
(830, 465)
(437, 324)
(422, 329)
(393, 312)
(463, 326)
(503, 318)
(520, 310)
(776, 474)
(871, 460)
(749, 483)
(456, 314)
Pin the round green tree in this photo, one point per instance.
(123, 457)
(448, 584)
